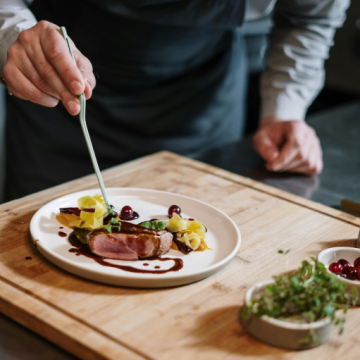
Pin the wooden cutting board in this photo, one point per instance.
(196, 321)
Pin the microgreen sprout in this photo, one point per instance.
(285, 252)
(307, 295)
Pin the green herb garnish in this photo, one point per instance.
(160, 225)
(154, 225)
(111, 210)
(114, 225)
(308, 295)
(283, 251)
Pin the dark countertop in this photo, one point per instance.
(339, 132)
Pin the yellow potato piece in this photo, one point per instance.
(90, 220)
(192, 233)
(176, 223)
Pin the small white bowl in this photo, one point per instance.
(334, 254)
(283, 334)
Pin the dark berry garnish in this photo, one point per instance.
(345, 264)
(357, 262)
(350, 273)
(336, 268)
(353, 275)
(126, 213)
(174, 209)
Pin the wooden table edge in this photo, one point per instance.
(159, 157)
(281, 194)
(85, 342)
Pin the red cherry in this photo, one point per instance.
(358, 272)
(174, 209)
(126, 212)
(357, 262)
(350, 273)
(336, 268)
(354, 274)
(345, 264)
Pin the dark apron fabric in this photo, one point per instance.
(159, 86)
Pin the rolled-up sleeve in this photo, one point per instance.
(14, 18)
(298, 46)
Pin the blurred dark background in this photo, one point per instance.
(341, 93)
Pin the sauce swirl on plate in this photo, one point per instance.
(83, 249)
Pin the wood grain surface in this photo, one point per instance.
(196, 321)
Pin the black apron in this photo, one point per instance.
(171, 75)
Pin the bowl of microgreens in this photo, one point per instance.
(344, 262)
(296, 310)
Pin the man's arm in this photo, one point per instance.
(298, 46)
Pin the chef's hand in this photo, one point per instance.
(40, 68)
(288, 146)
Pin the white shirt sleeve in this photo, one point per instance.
(14, 18)
(298, 46)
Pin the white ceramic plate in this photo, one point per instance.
(223, 237)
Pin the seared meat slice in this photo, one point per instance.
(131, 243)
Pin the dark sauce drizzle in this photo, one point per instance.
(62, 234)
(82, 249)
(134, 216)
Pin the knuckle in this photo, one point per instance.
(43, 25)
(48, 72)
(65, 96)
(34, 95)
(25, 37)
(42, 85)
(12, 52)
(54, 51)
